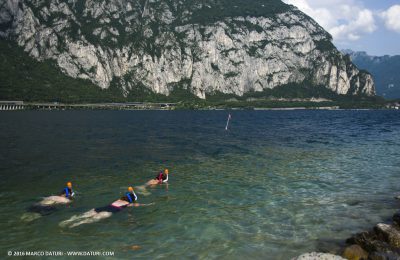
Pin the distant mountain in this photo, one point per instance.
(384, 69)
(206, 47)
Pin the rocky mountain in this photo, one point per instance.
(385, 70)
(204, 46)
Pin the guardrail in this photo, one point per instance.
(19, 105)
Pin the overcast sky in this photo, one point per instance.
(361, 25)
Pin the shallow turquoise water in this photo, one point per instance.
(277, 184)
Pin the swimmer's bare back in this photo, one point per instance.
(120, 203)
(152, 182)
(51, 200)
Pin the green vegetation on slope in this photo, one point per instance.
(213, 11)
(23, 78)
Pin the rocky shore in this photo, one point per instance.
(382, 242)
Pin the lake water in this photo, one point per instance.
(277, 184)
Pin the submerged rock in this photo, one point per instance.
(329, 245)
(135, 247)
(355, 252)
(318, 256)
(384, 256)
(396, 218)
(369, 241)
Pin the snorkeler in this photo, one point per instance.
(64, 198)
(48, 204)
(67, 191)
(130, 199)
(96, 214)
(164, 178)
(160, 178)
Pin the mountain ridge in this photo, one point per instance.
(204, 47)
(384, 70)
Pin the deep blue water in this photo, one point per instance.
(277, 184)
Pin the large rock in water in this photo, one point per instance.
(389, 233)
(207, 46)
(383, 242)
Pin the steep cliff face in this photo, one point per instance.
(205, 46)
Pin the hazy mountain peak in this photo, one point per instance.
(385, 70)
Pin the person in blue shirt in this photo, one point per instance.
(67, 191)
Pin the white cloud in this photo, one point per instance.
(391, 18)
(321, 15)
(345, 20)
(353, 29)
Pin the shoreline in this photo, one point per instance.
(256, 105)
(201, 109)
(179, 109)
(381, 242)
(20, 105)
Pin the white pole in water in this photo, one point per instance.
(227, 122)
